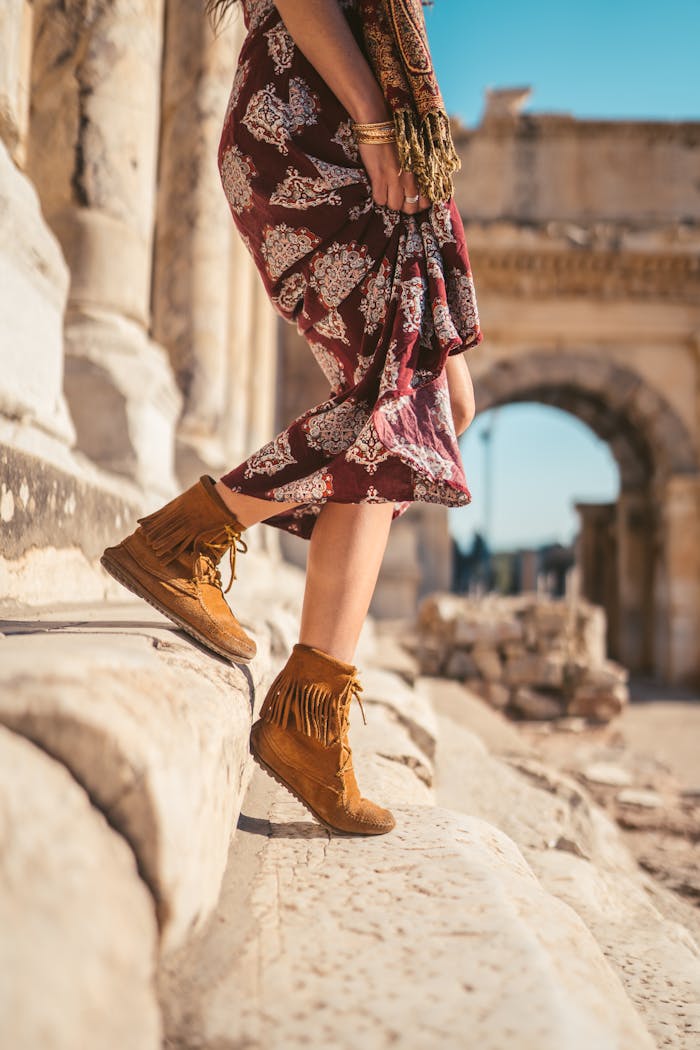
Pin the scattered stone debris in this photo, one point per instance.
(637, 797)
(535, 658)
(606, 773)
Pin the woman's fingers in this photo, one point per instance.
(391, 187)
(414, 201)
(396, 194)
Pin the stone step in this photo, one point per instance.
(577, 854)
(79, 937)
(438, 934)
(153, 727)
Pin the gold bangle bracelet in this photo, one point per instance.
(380, 133)
(375, 140)
(375, 134)
(380, 125)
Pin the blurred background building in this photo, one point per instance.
(139, 349)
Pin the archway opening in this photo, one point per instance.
(528, 466)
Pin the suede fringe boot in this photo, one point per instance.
(171, 561)
(301, 740)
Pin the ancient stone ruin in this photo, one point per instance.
(532, 657)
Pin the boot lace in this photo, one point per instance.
(210, 551)
(352, 691)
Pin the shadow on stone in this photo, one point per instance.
(295, 829)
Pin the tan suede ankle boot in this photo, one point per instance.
(171, 561)
(301, 739)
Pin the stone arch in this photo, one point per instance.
(645, 434)
(653, 448)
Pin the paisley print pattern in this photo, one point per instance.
(237, 172)
(283, 246)
(280, 47)
(271, 458)
(382, 298)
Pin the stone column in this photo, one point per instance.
(92, 153)
(431, 522)
(33, 273)
(15, 51)
(398, 586)
(262, 390)
(262, 377)
(194, 230)
(634, 531)
(681, 514)
(597, 562)
(243, 278)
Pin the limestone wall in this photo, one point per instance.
(129, 315)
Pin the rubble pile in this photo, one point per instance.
(533, 657)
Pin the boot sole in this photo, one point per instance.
(292, 791)
(121, 576)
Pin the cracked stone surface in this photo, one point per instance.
(411, 939)
(580, 857)
(78, 943)
(411, 707)
(154, 728)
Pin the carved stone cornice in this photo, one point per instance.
(537, 126)
(554, 270)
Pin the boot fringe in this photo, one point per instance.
(170, 531)
(312, 705)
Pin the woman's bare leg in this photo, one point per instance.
(345, 554)
(249, 510)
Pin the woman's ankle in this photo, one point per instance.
(248, 509)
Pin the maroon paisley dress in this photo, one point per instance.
(381, 297)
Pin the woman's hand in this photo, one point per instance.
(461, 388)
(321, 32)
(391, 186)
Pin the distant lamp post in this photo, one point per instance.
(486, 435)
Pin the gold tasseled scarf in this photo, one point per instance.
(397, 47)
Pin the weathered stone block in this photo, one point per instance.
(532, 704)
(417, 897)
(34, 282)
(123, 400)
(527, 669)
(592, 627)
(157, 733)
(78, 947)
(409, 705)
(550, 618)
(606, 675)
(495, 693)
(494, 632)
(598, 704)
(460, 664)
(488, 663)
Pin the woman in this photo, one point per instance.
(336, 159)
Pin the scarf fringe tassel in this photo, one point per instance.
(426, 148)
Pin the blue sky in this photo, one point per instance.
(607, 59)
(604, 58)
(542, 462)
